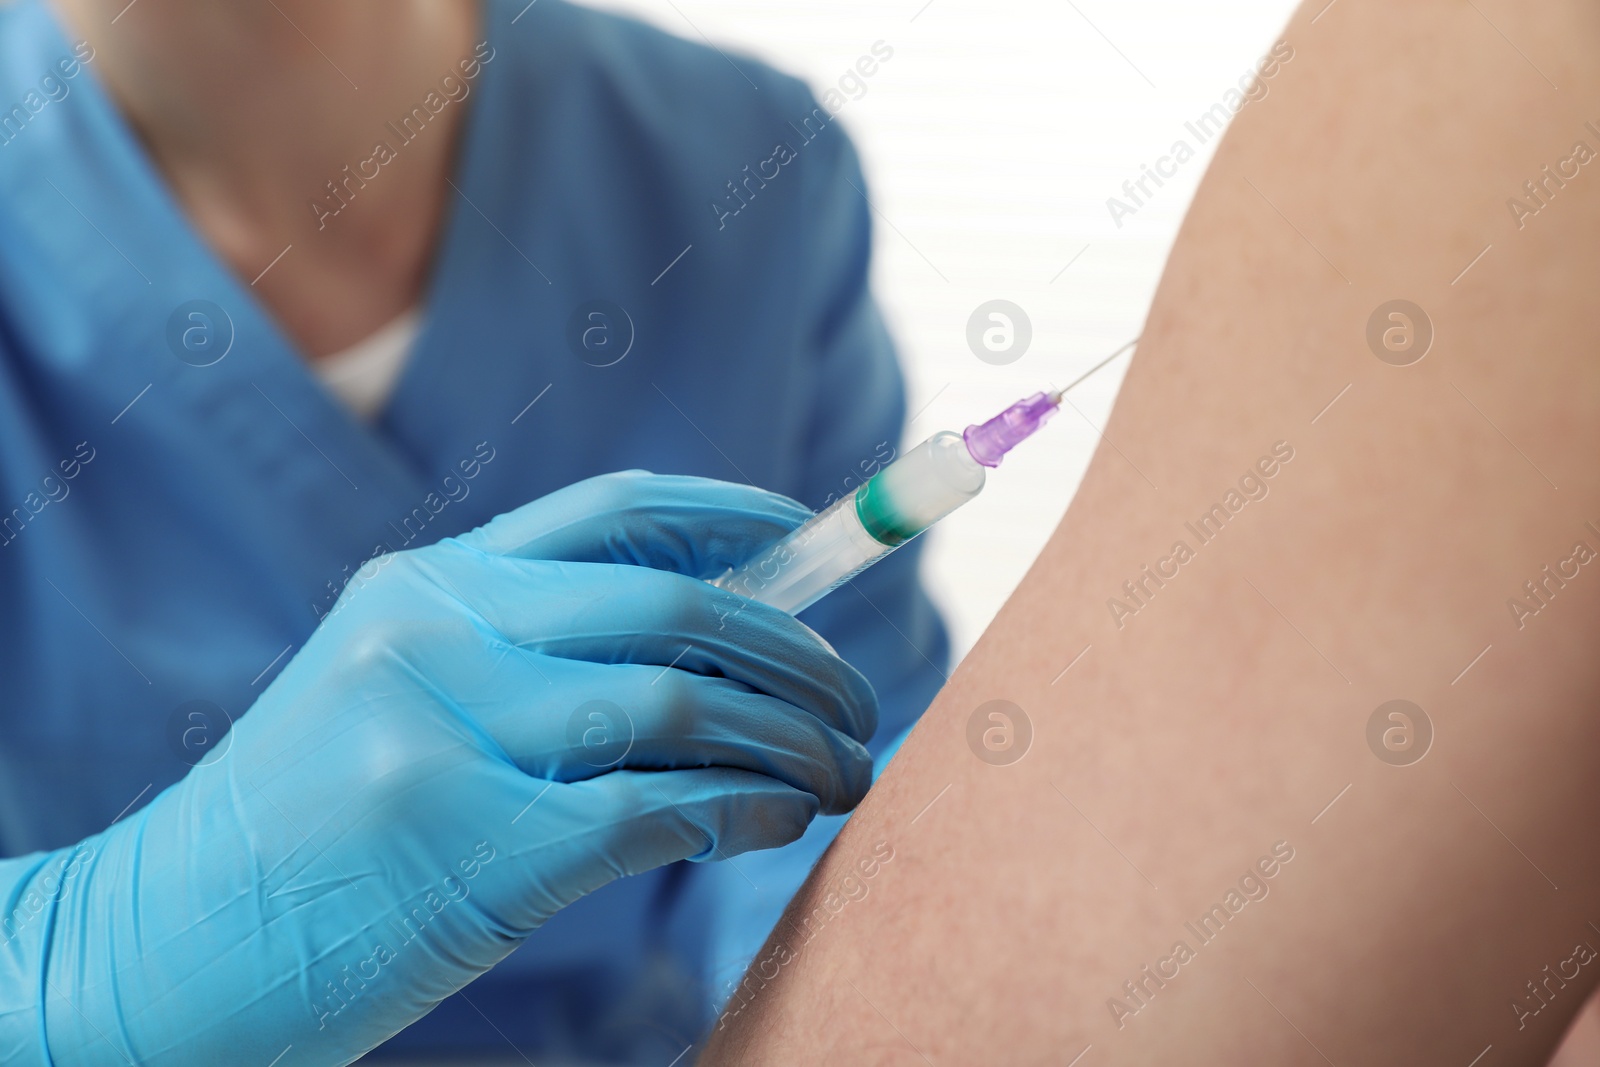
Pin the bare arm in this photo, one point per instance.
(1202, 776)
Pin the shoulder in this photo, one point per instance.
(632, 71)
(667, 141)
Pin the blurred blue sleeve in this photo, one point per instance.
(882, 622)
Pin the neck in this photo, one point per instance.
(250, 108)
(200, 80)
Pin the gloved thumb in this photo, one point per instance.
(694, 526)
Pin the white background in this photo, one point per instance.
(992, 140)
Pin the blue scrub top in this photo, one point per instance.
(171, 532)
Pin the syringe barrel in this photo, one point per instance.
(796, 572)
(912, 493)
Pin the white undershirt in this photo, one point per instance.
(364, 375)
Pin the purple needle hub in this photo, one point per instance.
(989, 442)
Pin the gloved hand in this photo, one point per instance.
(481, 732)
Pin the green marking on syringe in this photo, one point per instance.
(880, 518)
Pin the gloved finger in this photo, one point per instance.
(611, 613)
(568, 719)
(574, 838)
(588, 719)
(694, 526)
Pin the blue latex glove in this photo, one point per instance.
(432, 777)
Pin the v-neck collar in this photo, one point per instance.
(136, 257)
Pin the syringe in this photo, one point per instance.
(893, 506)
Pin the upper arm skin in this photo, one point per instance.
(1226, 714)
